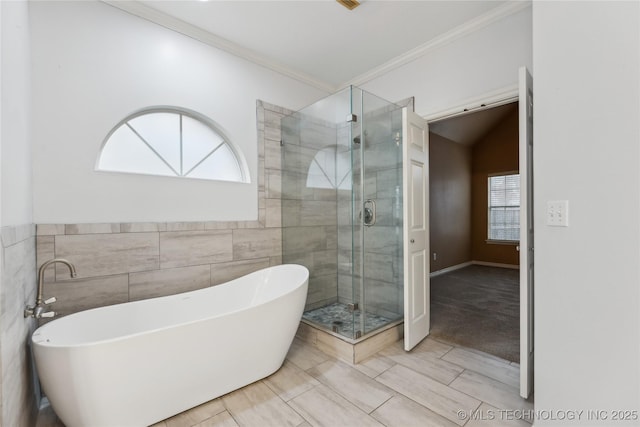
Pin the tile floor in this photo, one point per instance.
(436, 384)
(340, 316)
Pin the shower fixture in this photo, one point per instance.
(369, 212)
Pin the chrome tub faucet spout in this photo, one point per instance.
(38, 310)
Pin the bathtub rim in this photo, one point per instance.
(47, 344)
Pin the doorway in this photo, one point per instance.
(474, 230)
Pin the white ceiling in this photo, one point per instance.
(318, 40)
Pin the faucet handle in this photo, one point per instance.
(50, 300)
(48, 314)
(29, 311)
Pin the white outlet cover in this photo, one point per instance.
(557, 213)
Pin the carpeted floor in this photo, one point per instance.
(478, 307)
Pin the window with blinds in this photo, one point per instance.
(504, 207)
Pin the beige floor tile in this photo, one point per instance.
(290, 381)
(305, 356)
(423, 360)
(490, 391)
(195, 415)
(484, 354)
(428, 392)
(180, 420)
(488, 416)
(223, 419)
(257, 405)
(374, 365)
(364, 392)
(394, 386)
(485, 364)
(207, 410)
(323, 408)
(402, 412)
(432, 347)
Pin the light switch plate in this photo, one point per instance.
(558, 213)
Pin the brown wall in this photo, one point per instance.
(449, 202)
(497, 152)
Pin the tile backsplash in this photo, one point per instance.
(120, 262)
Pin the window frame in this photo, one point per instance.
(242, 163)
(489, 239)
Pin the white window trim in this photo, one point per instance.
(497, 241)
(242, 163)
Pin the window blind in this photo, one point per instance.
(504, 207)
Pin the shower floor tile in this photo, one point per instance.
(339, 315)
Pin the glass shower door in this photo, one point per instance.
(381, 204)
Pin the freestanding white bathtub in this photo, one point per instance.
(137, 363)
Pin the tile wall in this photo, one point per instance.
(319, 231)
(309, 204)
(17, 289)
(120, 262)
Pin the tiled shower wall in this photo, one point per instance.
(318, 229)
(17, 288)
(308, 210)
(120, 262)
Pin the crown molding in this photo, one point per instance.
(469, 27)
(495, 98)
(160, 18)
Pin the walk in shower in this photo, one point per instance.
(342, 210)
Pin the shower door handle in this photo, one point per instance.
(369, 208)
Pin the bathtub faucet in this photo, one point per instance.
(37, 311)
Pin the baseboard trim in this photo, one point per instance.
(450, 269)
(496, 264)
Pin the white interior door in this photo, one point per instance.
(526, 232)
(415, 153)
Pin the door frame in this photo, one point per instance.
(483, 102)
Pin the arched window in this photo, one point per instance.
(330, 169)
(169, 141)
